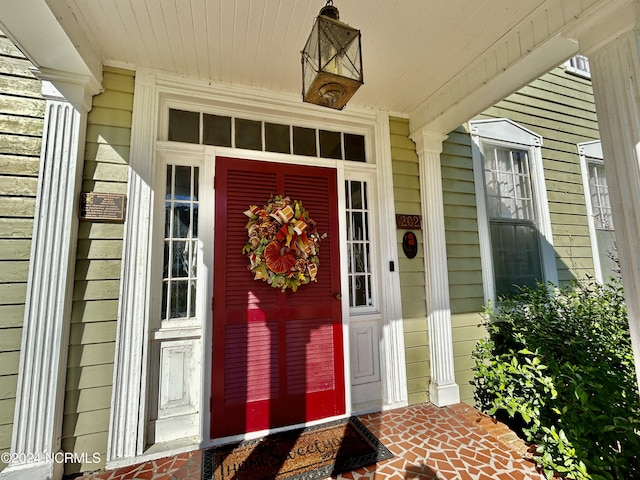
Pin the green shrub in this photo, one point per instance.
(558, 367)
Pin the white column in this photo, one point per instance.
(615, 74)
(443, 389)
(127, 422)
(37, 427)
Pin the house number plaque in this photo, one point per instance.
(408, 222)
(102, 206)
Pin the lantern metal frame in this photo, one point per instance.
(332, 48)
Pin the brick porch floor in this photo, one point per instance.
(429, 443)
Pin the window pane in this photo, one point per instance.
(354, 147)
(192, 295)
(356, 195)
(330, 145)
(195, 184)
(182, 186)
(184, 126)
(357, 226)
(277, 138)
(167, 220)
(360, 291)
(181, 220)
(516, 256)
(194, 221)
(180, 260)
(169, 181)
(166, 263)
(508, 183)
(216, 130)
(180, 244)
(608, 254)
(358, 245)
(304, 141)
(600, 201)
(359, 258)
(165, 294)
(248, 134)
(179, 299)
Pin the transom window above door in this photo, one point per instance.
(234, 132)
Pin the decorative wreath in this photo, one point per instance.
(283, 243)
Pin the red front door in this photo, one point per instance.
(277, 357)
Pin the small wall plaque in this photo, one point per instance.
(408, 222)
(102, 206)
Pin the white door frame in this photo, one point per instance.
(153, 92)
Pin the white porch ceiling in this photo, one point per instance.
(410, 47)
(418, 55)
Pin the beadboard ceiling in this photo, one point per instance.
(414, 51)
(410, 47)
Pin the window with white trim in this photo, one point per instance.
(578, 65)
(603, 240)
(180, 243)
(513, 217)
(358, 244)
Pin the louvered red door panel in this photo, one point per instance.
(277, 357)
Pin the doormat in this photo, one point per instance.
(303, 454)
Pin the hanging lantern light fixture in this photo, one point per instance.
(331, 61)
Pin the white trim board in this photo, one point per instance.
(154, 93)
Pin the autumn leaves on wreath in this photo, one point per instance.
(283, 243)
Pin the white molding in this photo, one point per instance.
(443, 389)
(484, 235)
(36, 26)
(154, 93)
(615, 74)
(569, 67)
(67, 84)
(37, 426)
(392, 352)
(502, 131)
(591, 150)
(505, 131)
(128, 417)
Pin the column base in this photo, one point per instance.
(443, 395)
(28, 471)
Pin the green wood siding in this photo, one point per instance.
(21, 124)
(559, 106)
(406, 186)
(463, 253)
(97, 276)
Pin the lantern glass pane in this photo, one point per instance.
(310, 59)
(339, 49)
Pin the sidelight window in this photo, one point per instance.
(359, 244)
(180, 242)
